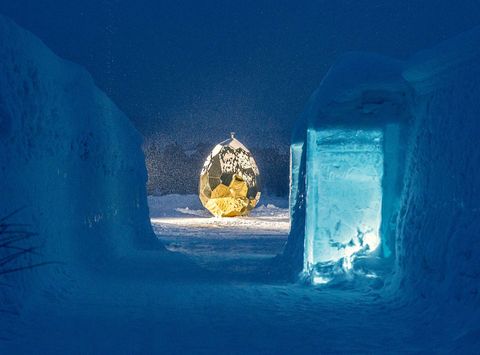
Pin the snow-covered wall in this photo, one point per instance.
(362, 93)
(437, 229)
(438, 236)
(69, 158)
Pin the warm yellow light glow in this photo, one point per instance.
(229, 181)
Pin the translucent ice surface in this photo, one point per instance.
(295, 158)
(344, 197)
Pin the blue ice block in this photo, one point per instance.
(344, 196)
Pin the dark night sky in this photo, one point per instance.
(203, 68)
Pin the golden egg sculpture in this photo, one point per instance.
(229, 180)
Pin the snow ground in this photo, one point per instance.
(183, 225)
(157, 303)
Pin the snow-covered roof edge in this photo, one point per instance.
(431, 63)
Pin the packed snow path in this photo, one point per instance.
(160, 303)
(236, 243)
(141, 313)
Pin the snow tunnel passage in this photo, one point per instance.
(235, 244)
(345, 190)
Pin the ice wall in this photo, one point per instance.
(339, 172)
(70, 159)
(291, 261)
(432, 113)
(344, 198)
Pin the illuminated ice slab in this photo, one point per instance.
(344, 198)
(296, 150)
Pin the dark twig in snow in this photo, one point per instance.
(11, 235)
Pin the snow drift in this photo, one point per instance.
(70, 160)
